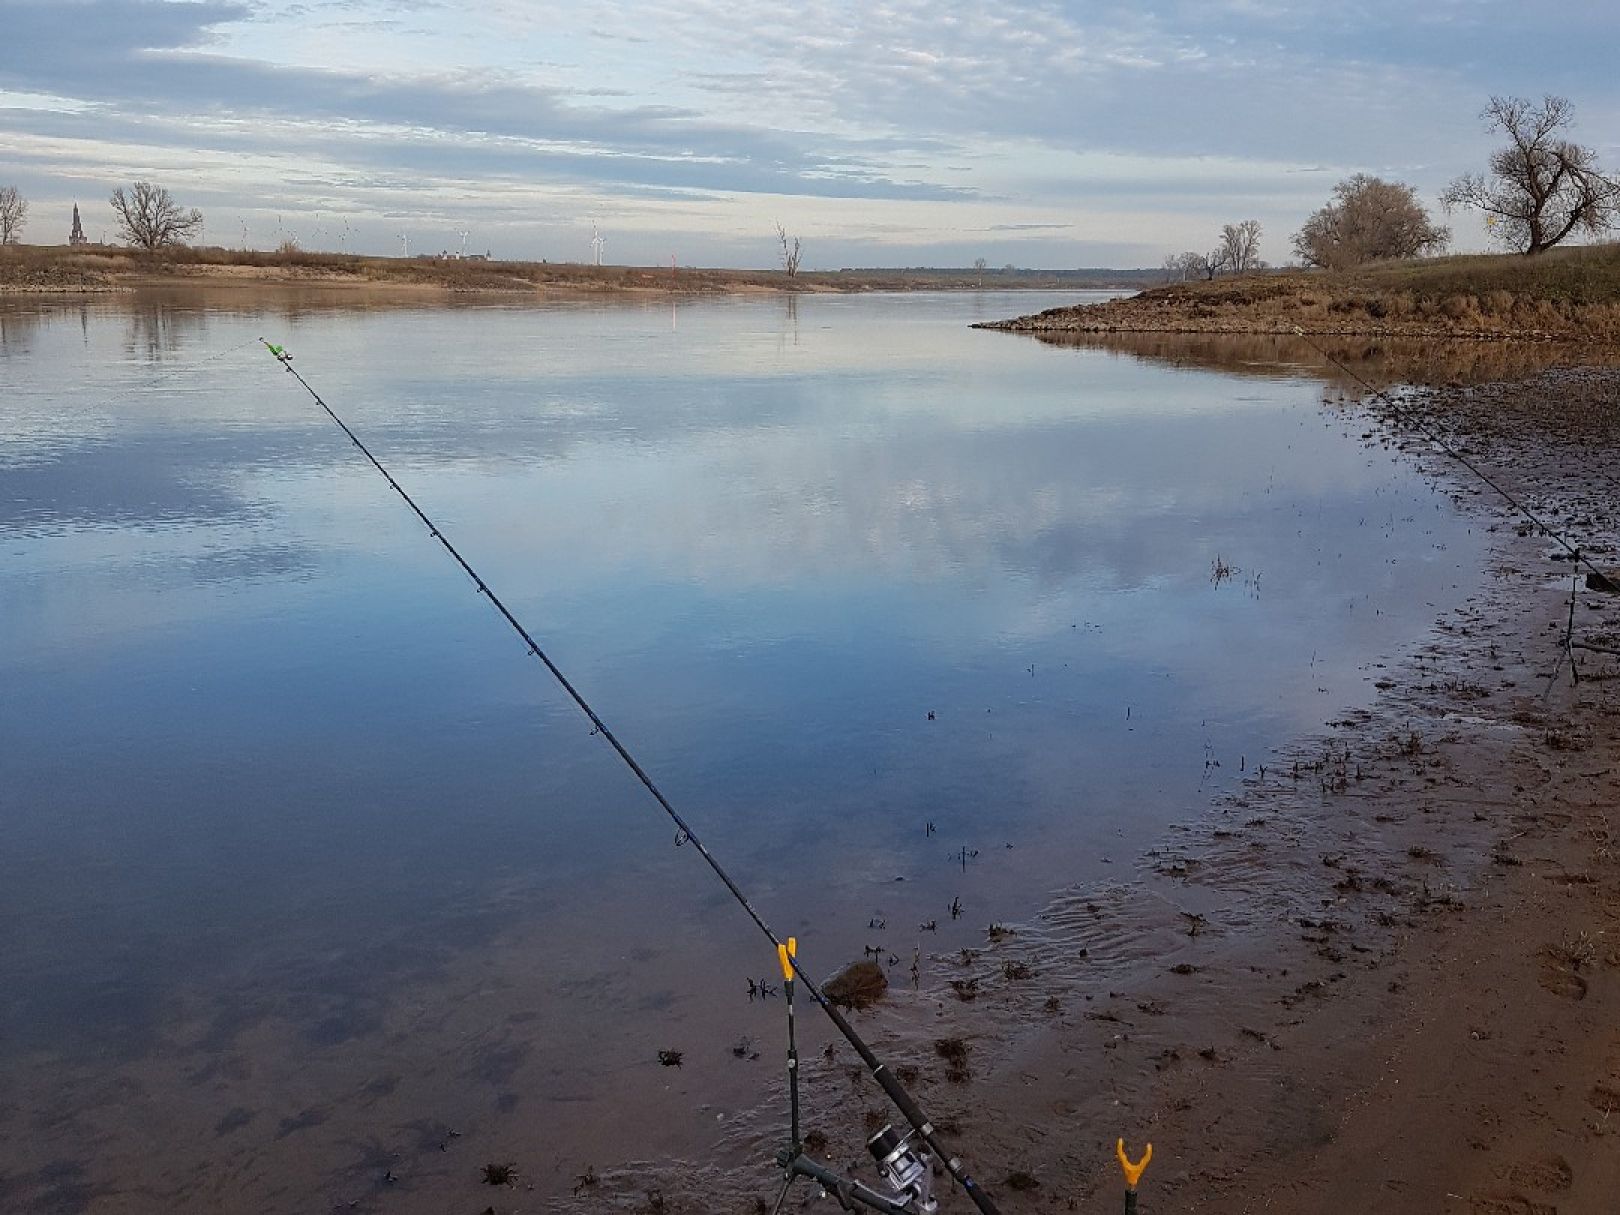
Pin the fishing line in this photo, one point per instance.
(1416, 423)
(184, 369)
(896, 1092)
(187, 368)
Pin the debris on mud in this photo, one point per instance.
(858, 985)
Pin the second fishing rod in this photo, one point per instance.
(892, 1088)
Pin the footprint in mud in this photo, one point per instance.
(1510, 1204)
(1562, 981)
(1549, 1174)
(1605, 1098)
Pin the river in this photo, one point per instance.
(317, 891)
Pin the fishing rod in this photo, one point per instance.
(1410, 418)
(846, 1192)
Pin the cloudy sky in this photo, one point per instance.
(885, 132)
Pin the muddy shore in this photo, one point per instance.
(1380, 975)
(1399, 991)
(1383, 975)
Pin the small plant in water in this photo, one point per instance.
(496, 1173)
(955, 1053)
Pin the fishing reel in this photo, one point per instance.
(905, 1169)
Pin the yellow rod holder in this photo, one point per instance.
(1133, 1172)
(784, 953)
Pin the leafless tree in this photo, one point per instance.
(1542, 186)
(1240, 246)
(1201, 265)
(1369, 219)
(790, 251)
(149, 218)
(1196, 265)
(13, 214)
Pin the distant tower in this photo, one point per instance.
(77, 236)
(597, 241)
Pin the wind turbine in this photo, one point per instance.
(405, 244)
(464, 235)
(597, 241)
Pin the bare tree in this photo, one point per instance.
(1240, 246)
(790, 252)
(13, 214)
(150, 219)
(1192, 265)
(1203, 265)
(1542, 186)
(1369, 219)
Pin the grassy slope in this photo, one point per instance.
(1568, 294)
(59, 268)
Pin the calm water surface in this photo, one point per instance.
(304, 862)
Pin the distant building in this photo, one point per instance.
(77, 236)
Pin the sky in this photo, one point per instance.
(879, 132)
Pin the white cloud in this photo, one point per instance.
(1136, 126)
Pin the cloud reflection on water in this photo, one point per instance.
(284, 791)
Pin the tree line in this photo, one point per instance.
(1540, 189)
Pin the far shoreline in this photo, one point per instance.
(100, 270)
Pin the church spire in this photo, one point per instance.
(77, 237)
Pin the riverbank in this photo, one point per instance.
(95, 269)
(1382, 975)
(1565, 295)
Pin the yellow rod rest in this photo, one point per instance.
(784, 952)
(1133, 1172)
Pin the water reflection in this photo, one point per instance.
(17, 326)
(300, 852)
(1381, 361)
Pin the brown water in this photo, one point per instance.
(306, 866)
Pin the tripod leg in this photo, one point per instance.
(787, 1184)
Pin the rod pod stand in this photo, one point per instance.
(850, 1194)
